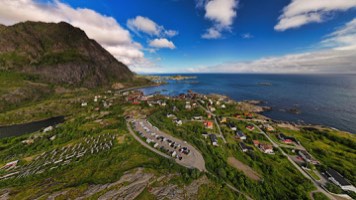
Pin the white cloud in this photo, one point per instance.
(344, 38)
(105, 30)
(338, 56)
(328, 61)
(211, 33)
(162, 43)
(301, 12)
(221, 13)
(247, 36)
(170, 33)
(146, 25)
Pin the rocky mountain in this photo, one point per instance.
(59, 54)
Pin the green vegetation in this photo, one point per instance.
(333, 188)
(105, 167)
(211, 192)
(279, 179)
(333, 149)
(276, 170)
(319, 196)
(67, 56)
(11, 59)
(313, 174)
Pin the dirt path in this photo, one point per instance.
(247, 170)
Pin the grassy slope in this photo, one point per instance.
(330, 147)
(99, 168)
(276, 170)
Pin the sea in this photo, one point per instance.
(323, 99)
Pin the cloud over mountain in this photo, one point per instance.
(148, 26)
(103, 29)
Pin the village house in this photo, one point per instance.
(250, 127)
(28, 141)
(84, 104)
(156, 145)
(286, 139)
(198, 118)
(238, 116)
(232, 126)
(248, 115)
(223, 119)
(209, 124)
(188, 106)
(52, 138)
(307, 157)
(48, 129)
(265, 148)
(339, 180)
(240, 135)
(178, 122)
(205, 135)
(134, 97)
(214, 140)
(210, 102)
(212, 109)
(244, 147)
(267, 127)
(171, 116)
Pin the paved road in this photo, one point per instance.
(216, 122)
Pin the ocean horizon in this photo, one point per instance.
(321, 99)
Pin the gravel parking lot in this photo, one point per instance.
(183, 153)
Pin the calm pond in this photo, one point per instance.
(21, 129)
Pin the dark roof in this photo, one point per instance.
(243, 145)
(282, 136)
(240, 133)
(213, 137)
(340, 179)
(231, 125)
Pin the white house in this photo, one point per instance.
(339, 180)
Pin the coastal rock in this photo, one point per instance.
(254, 106)
(294, 111)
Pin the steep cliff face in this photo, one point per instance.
(60, 54)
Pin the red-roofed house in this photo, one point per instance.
(209, 124)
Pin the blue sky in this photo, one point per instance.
(247, 35)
